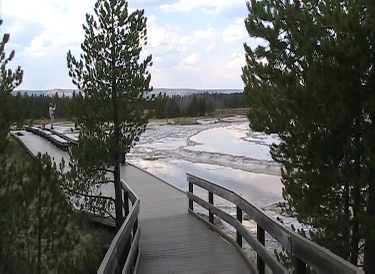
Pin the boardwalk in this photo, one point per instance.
(172, 240)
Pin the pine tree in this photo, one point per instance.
(201, 107)
(51, 231)
(110, 107)
(192, 109)
(312, 82)
(9, 80)
(34, 212)
(161, 106)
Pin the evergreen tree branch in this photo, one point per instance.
(101, 209)
(104, 182)
(89, 195)
(99, 169)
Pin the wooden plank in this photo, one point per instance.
(126, 202)
(191, 190)
(110, 263)
(261, 238)
(171, 237)
(129, 223)
(211, 201)
(58, 139)
(272, 262)
(226, 236)
(135, 227)
(132, 196)
(170, 244)
(239, 218)
(300, 267)
(72, 138)
(28, 149)
(314, 255)
(132, 254)
(118, 243)
(254, 213)
(46, 133)
(135, 270)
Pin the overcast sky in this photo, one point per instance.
(194, 43)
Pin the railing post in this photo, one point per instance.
(123, 161)
(135, 227)
(126, 202)
(211, 201)
(261, 239)
(300, 266)
(191, 191)
(239, 218)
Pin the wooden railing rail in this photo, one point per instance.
(306, 251)
(124, 253)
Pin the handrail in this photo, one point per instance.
(306, 251)
(124, 251)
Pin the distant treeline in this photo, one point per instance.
(163, 106)
(194, 105)
(36, 107)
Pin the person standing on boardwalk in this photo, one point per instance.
(43, 123)
(52, 113)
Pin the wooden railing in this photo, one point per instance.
(306, 251)
(124, 253)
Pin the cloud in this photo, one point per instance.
(151, 3)
(164, 40)
(211, 47)
(188, 64)
(235, 31)
(183, 5)
(207, 6)
(234, 8)
(223, 72)
(57, 23)
(208, 33)
(192, 59)
(238, 61)
(42, 31)
(167, 40)
(35, 49)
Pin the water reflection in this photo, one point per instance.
(230, 140)
(167, 143)
(260, 189)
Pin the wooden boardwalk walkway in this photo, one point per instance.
(172, 240)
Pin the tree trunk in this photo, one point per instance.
(369, 259)
(118, 196)
(1, 251)
(39, 266)
(357, 178)
(116, 153)
(355, 238)
(347, 220)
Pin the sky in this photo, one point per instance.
(194, 43)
